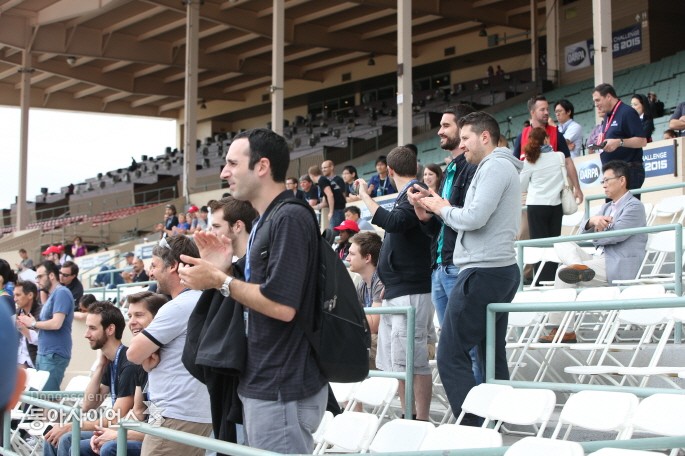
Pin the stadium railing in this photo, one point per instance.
(637, 191)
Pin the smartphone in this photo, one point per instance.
(47, 429)
(597, 146)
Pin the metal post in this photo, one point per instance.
(409, 383)
(277, 72)
(121, 441)
(190, 117)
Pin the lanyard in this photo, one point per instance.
(113, 375)
(608, 124)
(250, 240)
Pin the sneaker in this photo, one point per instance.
(576, 273)
(567, 338)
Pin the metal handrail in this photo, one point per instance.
(617, 304)
(546, 242)
(636, 191)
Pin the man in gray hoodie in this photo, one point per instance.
(484, 252)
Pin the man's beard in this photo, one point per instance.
(451, 144)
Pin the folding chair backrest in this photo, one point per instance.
(522, 406)
(653, 290)
(375, 392)
(400, 435)
(481, 397)
(455, 436)
(536, 446)
(349, 432)
(660, 414)
(604, 411)
(37, 380)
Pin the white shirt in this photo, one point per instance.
(573, 132)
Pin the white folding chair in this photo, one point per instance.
(343, 391)
(455, 436)
(376, 393)
(536, 446)
(325, 421)
(523, 407)
(605, 411)
(400, 435)
(349, 432)
(660, 414)
(480, 398)
(623, 452)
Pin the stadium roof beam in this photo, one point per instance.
(458, 10)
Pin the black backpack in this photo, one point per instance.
(340, 334)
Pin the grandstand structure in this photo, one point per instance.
(126, 57)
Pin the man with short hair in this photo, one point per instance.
(677, 120)
(331, 196)
(114, 376)
(142, 309)
(404, 268)
(615, 258)
(363, 258)
(54, 325)
(291, 184)
(380, 184)
(281, 380)
(68, 276)
(572, 131)
(484, 252)
(310, 189)
(182, 401)
(458, 176)
(138, 274)
(539, 117)
(623, 133)
(26, 262)
(354, 213)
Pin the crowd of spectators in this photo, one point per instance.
(202, 352)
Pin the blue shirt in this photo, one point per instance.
(381, 188)
(625, 124)
(57, 341)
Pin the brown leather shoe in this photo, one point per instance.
(567, 338)
(576, 273)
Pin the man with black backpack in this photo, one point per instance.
(283, 390)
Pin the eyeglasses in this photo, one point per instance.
(63, 274)
(604, 181)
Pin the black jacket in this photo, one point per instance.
(460, 185)
(404, 263)
(215, 352)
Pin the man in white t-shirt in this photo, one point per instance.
(179, 401)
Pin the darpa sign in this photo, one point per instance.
(577, 56)
(589, 173)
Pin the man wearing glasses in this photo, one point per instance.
(53, 325)
(615, 258)
(68, 276)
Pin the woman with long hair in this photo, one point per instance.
(543, 179)
(640, 104)
(78, 249)
(26, 300)
(432, 176)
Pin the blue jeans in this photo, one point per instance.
(283, 427)
(337, 217)
(464, 328)
(443, 279)
(110, 280)
(110, 448)
(56, 365)
(64, 445)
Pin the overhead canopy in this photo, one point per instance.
(128, 56)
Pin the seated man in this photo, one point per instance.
(354, 213)
(345, 230)
(113, 376)
(615, 258)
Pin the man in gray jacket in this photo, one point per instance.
(484, 252)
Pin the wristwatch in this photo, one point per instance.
(620, 144)
(33, 325)
(224, 290)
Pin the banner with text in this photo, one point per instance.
(582, 54)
